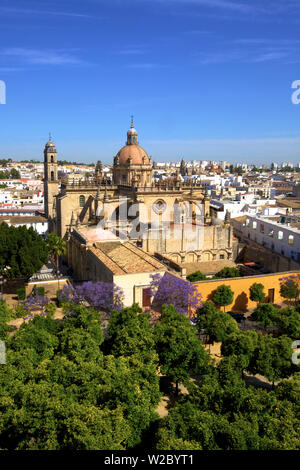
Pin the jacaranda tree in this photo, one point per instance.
(99, 295)
(172, 290)
(290, 287)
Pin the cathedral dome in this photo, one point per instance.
(133, 154)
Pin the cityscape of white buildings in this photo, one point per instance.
(234, 189)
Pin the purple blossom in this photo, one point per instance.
(35, 305)
(292, 278)
(182, 294)
(99, 295)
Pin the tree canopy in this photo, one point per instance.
(217, 325)
(196, 276)
(23, 252)
(289, 289)
(179, 350)
(172, 290)
(223, 296)
(222, 413)
(10, 174)
(61, 392)
(257, 293)
(228, 273)
(265, 314)
(80, 384)
(56, 246)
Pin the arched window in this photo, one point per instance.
(52, 159)
(52, 176)
(81, 201)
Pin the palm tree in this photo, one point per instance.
(57, 247)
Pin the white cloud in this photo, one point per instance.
(28, 11)
(249, 50)
(41, 57)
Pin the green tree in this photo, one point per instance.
(6, 314)
(272, 358)
(228, 273)
(132, 334)
(47, 418)
(288, 321)
(41, 342)
(265, 314)
(223, 296)
(241, 344)
(60, 392)
(15, 174)
(196, 276)
(257, 293)
(57, 247)
(289, 290)
(23, 252)
(165, 440)
(205, 315)
(220, 326)
(222, 412)
(217, 325)
(289, 390)
(179, 350)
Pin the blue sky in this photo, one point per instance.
(205, 79)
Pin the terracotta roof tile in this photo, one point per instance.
(114, 268)
(125, 258)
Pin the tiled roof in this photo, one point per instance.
(208, 267)
(23, 220)
(97, 234)
(113, 267)
(125, 258)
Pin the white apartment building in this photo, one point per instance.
(277, 235)
(244, 204)
(38, 223)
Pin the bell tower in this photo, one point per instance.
(50, 178)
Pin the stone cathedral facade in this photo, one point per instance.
(170, 218)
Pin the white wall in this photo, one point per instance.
(281, 246)
(133, 285)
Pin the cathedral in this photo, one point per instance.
(169, 220)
